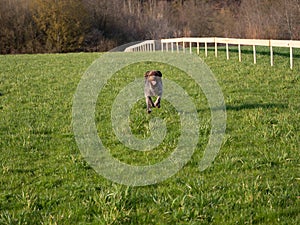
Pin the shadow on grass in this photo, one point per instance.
(246, 106)
(255, 106)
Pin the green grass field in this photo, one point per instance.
(255, 178)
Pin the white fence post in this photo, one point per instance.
(254, 54)
(227, 52)
(271, 53)
(216, 48)
(240, 53)
(291, 57)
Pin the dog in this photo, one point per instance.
(153, 87)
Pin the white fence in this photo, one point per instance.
(148, 46)
(181, 44)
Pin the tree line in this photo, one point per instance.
(37, 26)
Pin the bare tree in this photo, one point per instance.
(291, 14)
(269, 19)
(14, 19)
(99, 25)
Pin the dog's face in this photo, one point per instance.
(155, 73)
(153, 76)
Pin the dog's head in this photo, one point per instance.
(153, 76)
(153, 73)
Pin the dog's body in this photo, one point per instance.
(153, 87)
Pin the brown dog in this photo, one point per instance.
(153, 87)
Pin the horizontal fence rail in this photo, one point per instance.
(182, 44)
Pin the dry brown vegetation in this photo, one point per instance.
(32, 26)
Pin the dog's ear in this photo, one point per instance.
(146, 74)
(159, 73)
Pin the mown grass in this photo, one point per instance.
(139, 121)
(254, 179)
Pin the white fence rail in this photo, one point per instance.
(181, 44)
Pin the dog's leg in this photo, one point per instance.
(149, 103)
(157, 102)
